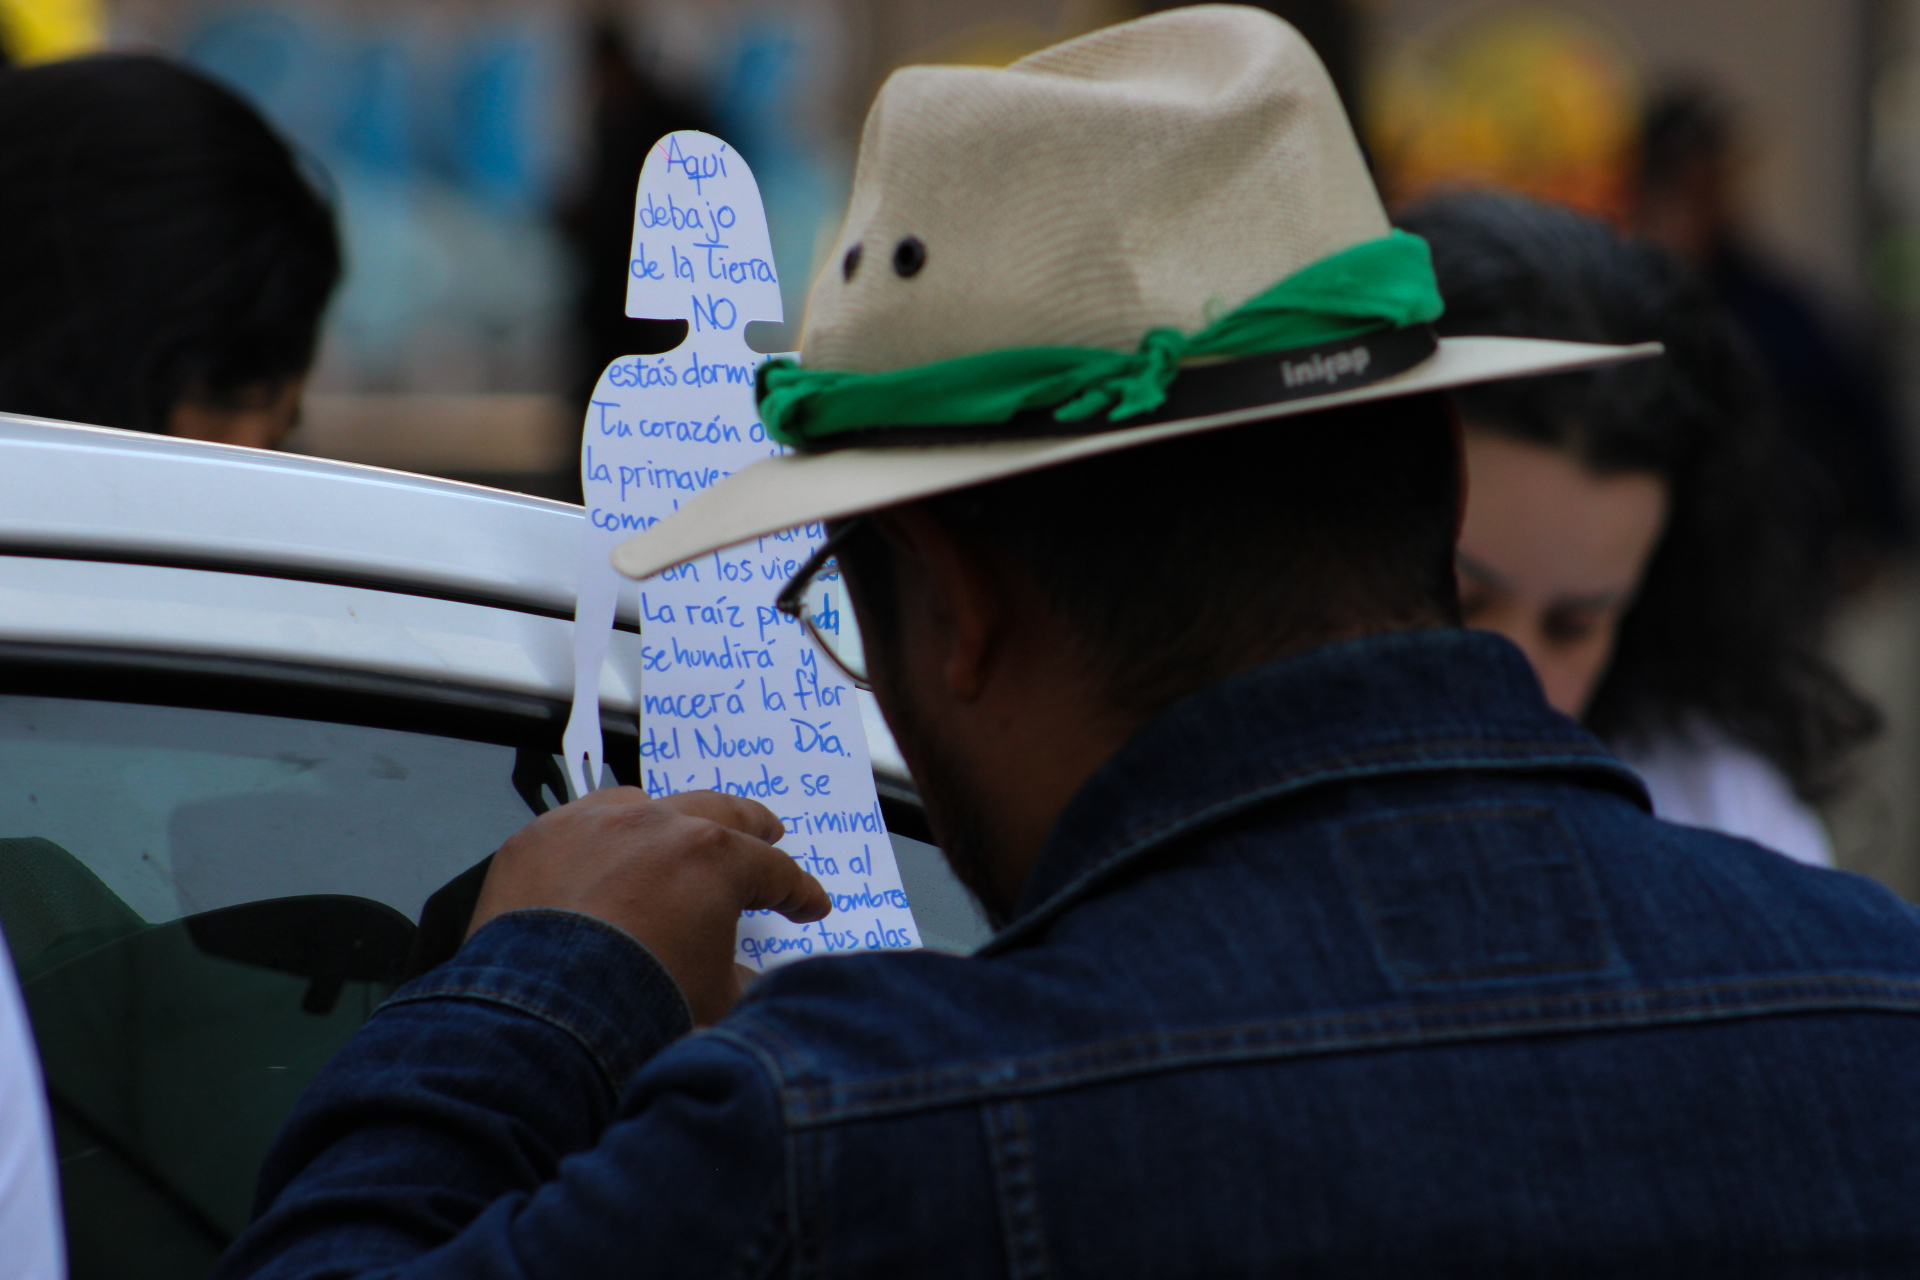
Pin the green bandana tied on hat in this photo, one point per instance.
(1383, 283)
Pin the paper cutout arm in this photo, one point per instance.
(592, 634)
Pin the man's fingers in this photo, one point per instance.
(768, 880)
(748, 817)
(733, 812)
(810, 904)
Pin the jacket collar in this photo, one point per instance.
(1406, 702)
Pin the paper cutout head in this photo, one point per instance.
(701, 250)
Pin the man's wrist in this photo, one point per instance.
(586, 978)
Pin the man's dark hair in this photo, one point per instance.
(1726, 625)
(158, 243)
(1178, 563)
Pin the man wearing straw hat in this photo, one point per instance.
(1324, 945)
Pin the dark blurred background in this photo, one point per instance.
(483, 155)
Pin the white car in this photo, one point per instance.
(255, 711)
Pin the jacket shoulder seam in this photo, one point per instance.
(812, 1103)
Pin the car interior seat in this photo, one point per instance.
(173, 1051)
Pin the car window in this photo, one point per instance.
(180, 810)
(203, 905)
(948, 917)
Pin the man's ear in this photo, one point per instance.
(951, 603)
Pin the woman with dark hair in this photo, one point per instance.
(1641, 533)
(163, 261)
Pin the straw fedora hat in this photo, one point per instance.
(1159, 228)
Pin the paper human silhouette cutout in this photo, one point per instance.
(733, 696)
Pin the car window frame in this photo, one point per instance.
(530, 723)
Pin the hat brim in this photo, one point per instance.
(796, 489)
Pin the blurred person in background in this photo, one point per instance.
(631, 111)
(1834, 404)
(1640, 532)
(164, 262)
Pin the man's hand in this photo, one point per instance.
(675, 873)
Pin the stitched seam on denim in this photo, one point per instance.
(777, 1057)
(519, 1006)
(1356, 884)
(760, 1247)
(596, 925)
(806, 1183)
(1222, 810)
(1348, 1032)
(1419, 755)
(1015, 1184)
(779, 1060)
(579, 921)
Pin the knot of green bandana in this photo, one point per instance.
(1384, 283)
(1140, 387)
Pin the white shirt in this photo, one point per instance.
(1705, 779)
(32, 1243)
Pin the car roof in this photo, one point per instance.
(100, 493)
(126, 497)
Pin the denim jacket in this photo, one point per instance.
(1362, 963)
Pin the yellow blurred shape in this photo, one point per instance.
(46, 30)
(996, 41)
(1531, 99)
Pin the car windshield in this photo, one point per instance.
(202, 906)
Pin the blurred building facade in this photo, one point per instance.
(457, 132)
(478, 148)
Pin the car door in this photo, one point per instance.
(211, 873)
(212, 870)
